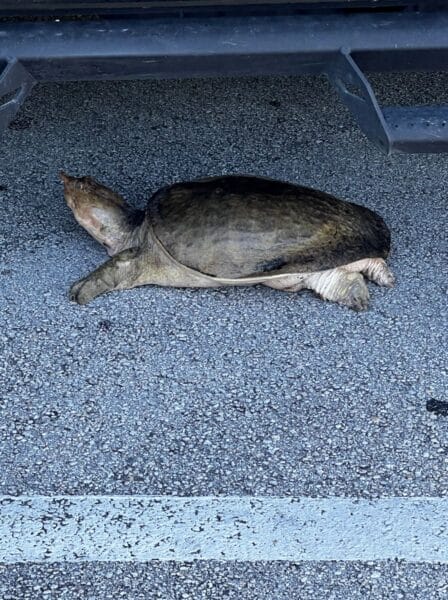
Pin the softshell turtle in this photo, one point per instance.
(232, 230)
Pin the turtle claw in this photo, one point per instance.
(356, 295)
(388, 279)
(79, 292)
(379, 273)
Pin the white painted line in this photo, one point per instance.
(142, 528)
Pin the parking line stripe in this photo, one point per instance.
(143, 528)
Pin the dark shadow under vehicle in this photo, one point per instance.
(46, 40)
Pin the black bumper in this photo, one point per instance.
(341, 45)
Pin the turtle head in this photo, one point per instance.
(101, 211)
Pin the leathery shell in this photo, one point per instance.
(238, 226)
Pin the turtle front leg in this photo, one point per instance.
(119, 273)
(341, 286)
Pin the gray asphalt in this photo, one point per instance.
(229, 392)
(229, 581)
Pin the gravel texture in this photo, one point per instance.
(234, 391)
(228, 581)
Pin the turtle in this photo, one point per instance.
(232, 230)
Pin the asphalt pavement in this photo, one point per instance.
(230, 392)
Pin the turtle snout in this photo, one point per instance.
(66, 178)
(70, 189)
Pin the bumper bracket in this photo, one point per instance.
(392, 129)
(15, 85)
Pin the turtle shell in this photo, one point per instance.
(238, 226)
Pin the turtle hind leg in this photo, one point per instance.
(375, 269)
(341, 286)
(337, 285)
(119, 273)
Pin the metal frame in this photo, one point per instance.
(341, 46)
(26, 8)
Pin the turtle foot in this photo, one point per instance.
(81, 291)
(378, 272)
(355, 294)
